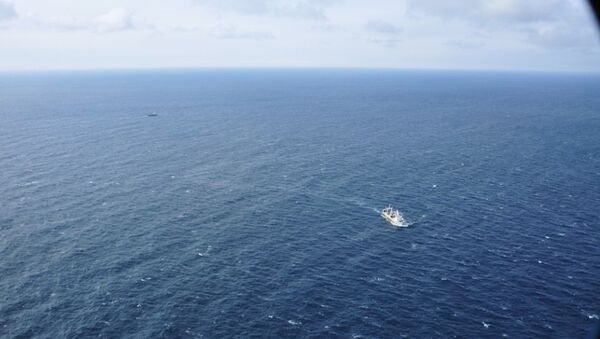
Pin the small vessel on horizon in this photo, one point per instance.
(153, 114)
(394, 217)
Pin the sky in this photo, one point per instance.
(522, 35)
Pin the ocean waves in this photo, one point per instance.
(244, 213)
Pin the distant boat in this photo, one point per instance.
(153, 114)
(394, 217)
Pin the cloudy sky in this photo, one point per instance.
(532, 35)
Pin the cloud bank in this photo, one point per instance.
(450, 34)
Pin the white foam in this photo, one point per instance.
(486, 325)
(294, 322)
(28, 183)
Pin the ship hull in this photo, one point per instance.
(394, 222)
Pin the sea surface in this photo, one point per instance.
(248, 207)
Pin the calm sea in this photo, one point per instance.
(248, 207)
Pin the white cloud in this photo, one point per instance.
(466, 44)
(230, 32)
(491, 11)
(383, 27)
(7, 11)
(117, 19)
(305, 9)
(542, 23)
(385, 33)
(559, 37)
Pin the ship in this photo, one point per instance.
(394, 217)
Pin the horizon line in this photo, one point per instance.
(275, 68)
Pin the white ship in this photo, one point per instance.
(394, 217)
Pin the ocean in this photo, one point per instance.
(248, 207)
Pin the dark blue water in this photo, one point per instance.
(248, 206)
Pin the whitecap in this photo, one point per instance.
(28, 183)
(294, 322)
(486, 325)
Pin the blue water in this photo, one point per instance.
(248, 207)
